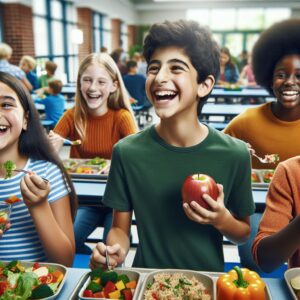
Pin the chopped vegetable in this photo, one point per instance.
(8, 166)
(12, 199)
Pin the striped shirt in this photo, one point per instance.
(21, 241)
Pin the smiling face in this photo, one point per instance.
(171, 84)
(12, 121)
(286, 82)
(96, 86)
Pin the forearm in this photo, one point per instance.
(235, 230)
(118, 236)
(58, 246)
(285, 241)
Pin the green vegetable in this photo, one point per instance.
(109, 276)
(8, 166)
(94, 287)
(41, 292)
(96, 273)
(124, 278)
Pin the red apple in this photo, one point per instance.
(196, 185)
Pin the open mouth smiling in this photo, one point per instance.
(3, 128)
(165, 95)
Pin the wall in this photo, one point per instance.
(18, 30)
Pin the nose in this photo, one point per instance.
(94, 85)
(163, 75)
(290, 80)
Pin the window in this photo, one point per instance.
(238, 28)
(54, 22)
(1, 24)
(124, 37)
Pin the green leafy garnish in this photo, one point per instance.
(8, 166)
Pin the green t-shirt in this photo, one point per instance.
(146, 176)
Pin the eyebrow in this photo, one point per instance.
(5, 97)
(174, 60)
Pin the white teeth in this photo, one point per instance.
(2, 127)
(290, 93)
(165, 93)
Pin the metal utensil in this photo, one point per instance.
(266, 159)
(27, 172)
(109, 267)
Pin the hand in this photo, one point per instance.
(7, 226)
(56, 140)
(215, 216)
(34, 190)
(116, 256)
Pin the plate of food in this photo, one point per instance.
(93, 168)
(261, 178)
(292, 279)
(31, 280)
(177, 284)
(233, 87)
(114, 284)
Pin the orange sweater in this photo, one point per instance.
(267, 135)
(282, 204)
(101, 134)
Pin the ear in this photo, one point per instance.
(115, 86)
(25, 121)
(206, 86)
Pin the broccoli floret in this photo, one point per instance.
(8, 166)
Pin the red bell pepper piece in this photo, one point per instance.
(99, 295)
(127, 294)
(109, 287)
(88, 293)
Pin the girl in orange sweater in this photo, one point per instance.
(100, 118)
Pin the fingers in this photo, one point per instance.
(197, 213)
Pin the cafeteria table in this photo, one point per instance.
(277, 287)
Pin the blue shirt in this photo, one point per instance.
(54, 106)
(21, 241)
(15, 71)
(33, 79)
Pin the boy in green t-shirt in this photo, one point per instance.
(149, 168)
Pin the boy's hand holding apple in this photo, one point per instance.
(203, 200)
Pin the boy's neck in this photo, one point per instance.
(181, 134)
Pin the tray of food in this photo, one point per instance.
(115, 284)
(93, 168)
(204, 284)
(233, 87)
(261, 178)
(292, 279)
(31, 280)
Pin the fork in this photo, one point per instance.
(27, 172)
(109, 267)
(262, 160)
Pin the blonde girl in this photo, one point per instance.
(41, 226)
(100, 118)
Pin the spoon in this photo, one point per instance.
(28, 172)
(268, 159)
(72, 143)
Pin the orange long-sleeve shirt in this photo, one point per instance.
(266, 134)
(101, 134)
(282, 204)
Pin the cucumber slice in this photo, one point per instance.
(295, 282)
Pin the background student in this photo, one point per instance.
(41, 224)
(54, 102)
(273, 127)
(28, 64)
(148, 169)
(101, 117)
(5, 55)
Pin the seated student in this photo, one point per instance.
(28, 64)
(149, 168)
(41, 227)
(50, 68)
(279, 226)
(228, 70)
(54, 102)
(135, 84)
(273, 127)
(5, 55)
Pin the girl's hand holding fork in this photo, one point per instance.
(34, 190)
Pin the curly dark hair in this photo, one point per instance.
(279, 40)
(195, 40)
